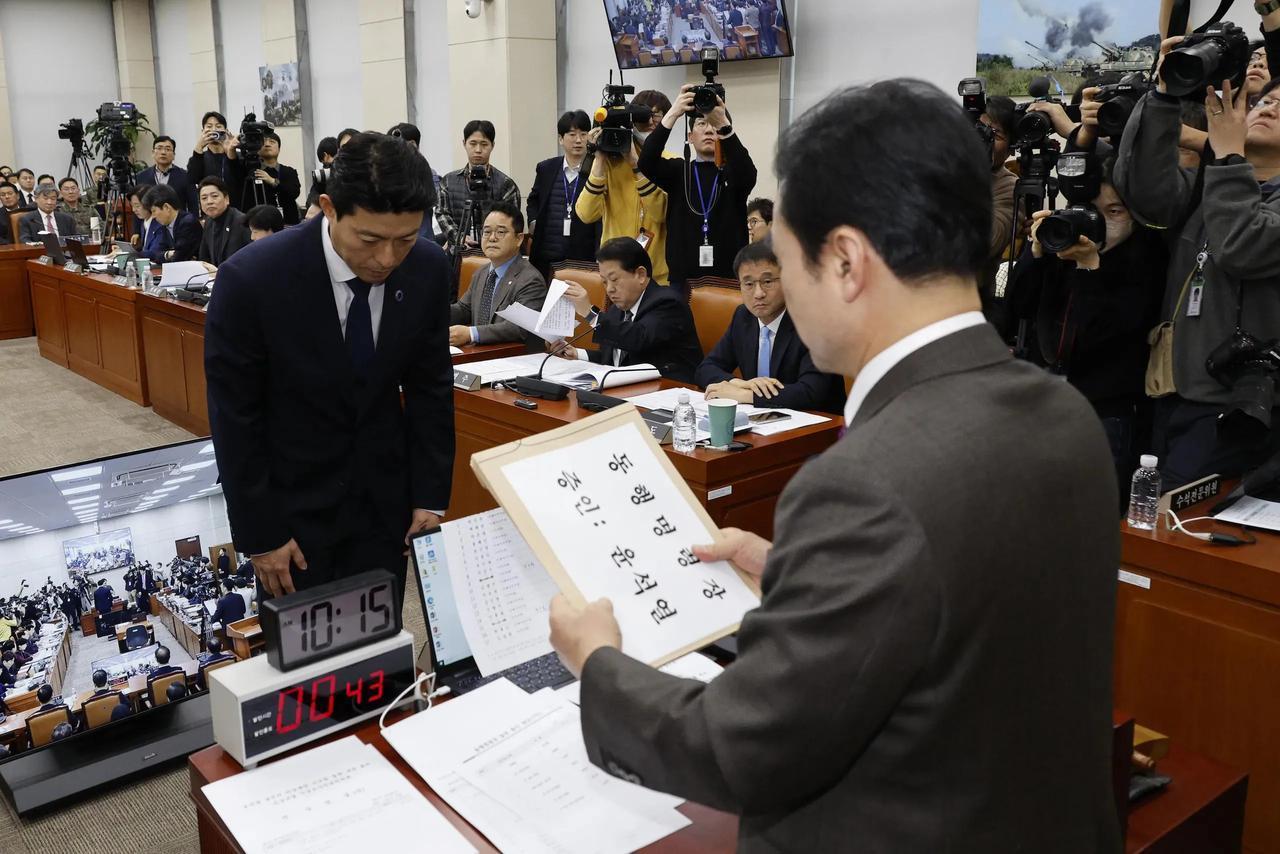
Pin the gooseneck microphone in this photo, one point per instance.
(536, 386)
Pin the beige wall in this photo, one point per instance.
(136, 62)
(204, 63)
(280, 45)
(751, 95)
(6, 125)
(382, 68)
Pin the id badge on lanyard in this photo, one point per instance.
(1195, 291)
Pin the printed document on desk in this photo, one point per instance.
(514, 765)
(340, 797)
(667, 398)
(1253, 513)
(177, 274)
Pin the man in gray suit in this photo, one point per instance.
(930, 665)
(507, 279)
(46, 217)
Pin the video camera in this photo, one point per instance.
(253, 134)
(115, 116)
(707, 96)
(1203, 59)
(1248, 367)
(73, 130)
(1080, 180)
(616, 119)
(973, 97)
(1118, 101)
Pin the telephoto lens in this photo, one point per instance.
(1062, 230)
(1206, 59)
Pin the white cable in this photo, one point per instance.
(432, 693)
(1178, 525)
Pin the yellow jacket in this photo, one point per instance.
(6, 629)
(626, 200)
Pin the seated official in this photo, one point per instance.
(46, 217)
(72, 203)
(264, 221)
(225, 230)
(121, 711)
(179, 232)
(508, 279)
(145, 228)
(100, 685)
(230, 608)
(44, 694)
(163, 667)
(762, 344)
(645, 322)
(10, 202)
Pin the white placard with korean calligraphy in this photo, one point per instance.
(620, 528)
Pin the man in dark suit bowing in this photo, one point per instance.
(558, 233)
(761, 343)
(645, 322)
(941, 588)
(310, 337)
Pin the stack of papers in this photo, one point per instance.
(514, 766)
(1253, 513)
(343, 796)
(669, 397)
(573, 373)
(555, 322)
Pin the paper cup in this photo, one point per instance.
(721, 414)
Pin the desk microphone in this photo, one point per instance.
(536, 386)
(596, 400)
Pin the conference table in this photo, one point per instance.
(16, 319)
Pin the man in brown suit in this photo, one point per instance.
(930, 665)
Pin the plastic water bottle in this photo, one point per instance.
(147, 281)
(684, 425)
(95, 230)
(1144, 494)
(130, 276)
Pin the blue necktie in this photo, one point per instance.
(766, 352)
(360, 328)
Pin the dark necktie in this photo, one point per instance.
(360, 328)
(485, 316)
(618, 353)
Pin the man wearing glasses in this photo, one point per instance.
(164, 172)
(761, 343)
(508, 279)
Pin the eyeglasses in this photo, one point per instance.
(765, 283)
(496, 232)
(1267, 103)
(753, 221)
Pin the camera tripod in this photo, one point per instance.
(80, 168)
(471, 224)
(253, 189)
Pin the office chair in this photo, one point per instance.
(136, 637)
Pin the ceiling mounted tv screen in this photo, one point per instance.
(649, 33)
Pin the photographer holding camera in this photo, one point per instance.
(465, 194)
(212, 157)
(1214, 379)
(281, 185)
(707, 208)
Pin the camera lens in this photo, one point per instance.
(1114, 115)
(1064, 229)
(1187, 70)
(1034, 126)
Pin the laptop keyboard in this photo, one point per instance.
(543, 672)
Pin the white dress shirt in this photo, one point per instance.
(884, 361)
(162, 178)
(339, 275)
(46, 219)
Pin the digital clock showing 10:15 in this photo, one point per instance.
(312, 625)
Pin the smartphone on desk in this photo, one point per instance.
(767, 416)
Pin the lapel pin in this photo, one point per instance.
(399, 296)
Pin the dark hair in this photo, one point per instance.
(8, 184)
(213, 181)
(653, 99)
(346, 132)
(272, 135)
(44, 693)
(760, 252)
(61, 731)
(764, 207)
(163, 138)
(162, 654)
(139, 190)
(161, 195)
(100, 678)
(329, 146)
(628, 252)
(922, 200)
(175, 691)
(573, 120)
(407, 132)
(481, 126)
(1003, 111)
(42, 177)
(265, 218)
(28, 171)
(381, 174)
(68, 180)
(213, 114)
(508, 209)
(213, 645)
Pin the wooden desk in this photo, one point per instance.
(245, 636)
(481, 352)
(135, 688)
(1198, 653)
(89, 619)
(173, 353)
(1201, 810)
(711, 830)
(16, 319)
(91, 326)
(738, 489)
(186, 636)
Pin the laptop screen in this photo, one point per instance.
(444, 627)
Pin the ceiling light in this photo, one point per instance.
(207, 449)
(74, 502)
(178, 480)
(158, 492)
(197, 466)
(76, 474)
(77, 490)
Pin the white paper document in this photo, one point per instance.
(667, 398)
(503, 592)
(514, 765)
(527, 319)
(1253, 512)
(695, 665)
(343, 796)
(557, 316)
(176, 274)
(455, 351)
(621, 529)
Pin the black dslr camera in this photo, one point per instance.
(973, 97)
(1206, 59)
(1248, 367)
(616, 120)
(253, 134)
(477, 182)
(1080, 180)
(705, 95)
(1118, 101)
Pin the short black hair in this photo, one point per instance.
(1003, 111)
(628, 252)
(8, 184)
(163, 138)
(508, 209)
(162, 654)
(329, 146)
(61, 731)
(175, 691)
(27, 171)
(653, 99)
(100, 678)
(381, 174)
(573, 120)
(922, 199)
(760, 252)
(1271, 85)
(213, 114)
(213, 181)
(68, 180)
(273, 135)
(347, 132)
(265, 218)
(407, 132)
(44, 693)
(764, 207)
(479, 125)
(161, 195)
(42, 177)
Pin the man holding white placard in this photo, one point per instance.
(930, 665)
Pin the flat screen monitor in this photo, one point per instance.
(648, 33)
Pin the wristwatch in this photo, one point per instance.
(726, 131)
(1230, 160)
(1266, 7)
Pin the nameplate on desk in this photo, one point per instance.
(660, 429)
(72, 267)
(1193, 493)
(465, 380)
(119, 280)
(45, 260)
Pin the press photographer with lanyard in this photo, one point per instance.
(707, 202)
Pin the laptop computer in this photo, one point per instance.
(52, 248)
(450, 651)
(77, 253)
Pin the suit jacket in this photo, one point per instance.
(178, 179)
(662, 335)
(30, 226)
(299, 435)
(230, 608)
(102, 599)
(185, 240)
(915, 651)
(283, 195)
(789, 363)
(224, 237)
(584, 237)
(522, 284)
